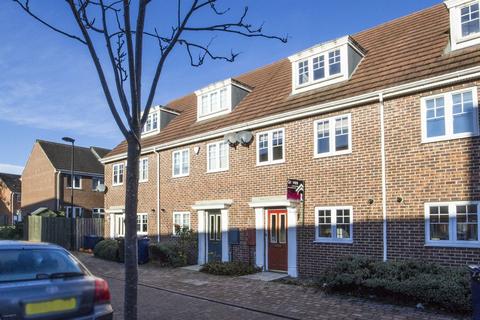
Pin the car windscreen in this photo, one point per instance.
(33, 264)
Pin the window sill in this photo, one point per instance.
(450, 244)
(142, 181)
(453, 137)
(261, 164)
(347, 241)
(319, 82)
(332, 154)
(180, 176)
(117, 185)
(142, 233)
(70, 188)
(217, 171)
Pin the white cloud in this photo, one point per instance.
(10, 168)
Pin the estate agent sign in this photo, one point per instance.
(295, 189)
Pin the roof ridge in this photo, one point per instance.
(67, 145)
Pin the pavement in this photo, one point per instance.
(165, 293)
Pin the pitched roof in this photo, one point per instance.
(12, 181)
(401, 51)
(86, 159)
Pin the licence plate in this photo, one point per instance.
(44, 307)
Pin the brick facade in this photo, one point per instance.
(415, 171)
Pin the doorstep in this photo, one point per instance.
(265, 276)
(195, 267)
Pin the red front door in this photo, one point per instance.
(277, 240)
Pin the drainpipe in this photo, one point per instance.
(384, 176)
(57, 191)
(12, 205)
(158, 194)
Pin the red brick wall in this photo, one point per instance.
(84, 197)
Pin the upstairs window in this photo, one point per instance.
(317, 64)
(333, 136)
(452, 224)
(151, 124)
(77, 182)
(318, 68)
(334, 62)
(217, 157)
(213, 103)
(143, 170)
(470, 21)
(271, 147)
(181, 163)
(77, 212)
(450, 115)
(96, 183)
(303, 72)
(98, 213)
(117, 174)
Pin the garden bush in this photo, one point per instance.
(107, 249)
(235, 268)
(176, 253)
(12, 232)
(408, 281)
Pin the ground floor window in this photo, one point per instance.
(452, 223)
(119, 225)
(333, 224)
(98, 213)
(77, 212)
(142, 223)
(181, 220)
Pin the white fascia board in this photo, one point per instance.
(322, 47)
(212, 204)
(408, 88)
(80, 173)
(456, 3)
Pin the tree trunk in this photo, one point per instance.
(131, 197)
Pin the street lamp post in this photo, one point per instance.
(72, 164)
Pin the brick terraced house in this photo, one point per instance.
(10, 198)
(47, 183)
(382, 126)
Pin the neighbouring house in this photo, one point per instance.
(382, 126)
(47, 181)
(10, 198)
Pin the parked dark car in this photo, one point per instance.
(45, 281)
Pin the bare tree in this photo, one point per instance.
(112, 20)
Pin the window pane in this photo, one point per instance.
(439, 222)
(145, 223)
(318, 67)
(341, 134)
(277, 145)
(212, 157)
(205, 105)
(323, 137)
(176, 163)
(154, 121)
(467, 224)
(263, 147)
(303, 72)
(214, 102)
(185, 162)
(463, 117)
(219, 227)
(435, 116)
(212, 227)
(223, 155)
(325, 223)
(470, 20)
(282, 235)
(223, 99)
(334, 62)
(343, 223)
(186, 220)
(273, 228)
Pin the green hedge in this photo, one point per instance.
(12, 232)
(107, 249)
(167, 254)
(408, 281)
(235, 268)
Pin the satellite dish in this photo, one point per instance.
(101, 188)
(245, 137)
(230, 138)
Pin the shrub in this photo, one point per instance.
(107, 249)
(235, 268)
(409, 281)
(12, 232)
(166, 254)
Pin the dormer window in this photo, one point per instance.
(157, 119)
(325, 64)
(464, 23)
(219, 98)
(151, 124)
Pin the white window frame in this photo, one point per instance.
(150, 118)
(182, 221)
(140, 216)
(98, 211)
(181, 174)
(220, 110)
(270, 147)
(73, 182)
(458, 41)
(143, 174)
(217, 164)
(326, 67)
(452, 225)
(75, 210)
(332, 136)
(120, 164)
(448, 98)
(334, 238)
(118, 230)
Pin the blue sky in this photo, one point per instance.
(49, 88)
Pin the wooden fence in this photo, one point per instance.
(66, 232)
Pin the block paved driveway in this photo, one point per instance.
(183, 294)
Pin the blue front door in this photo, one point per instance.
(214, 236)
